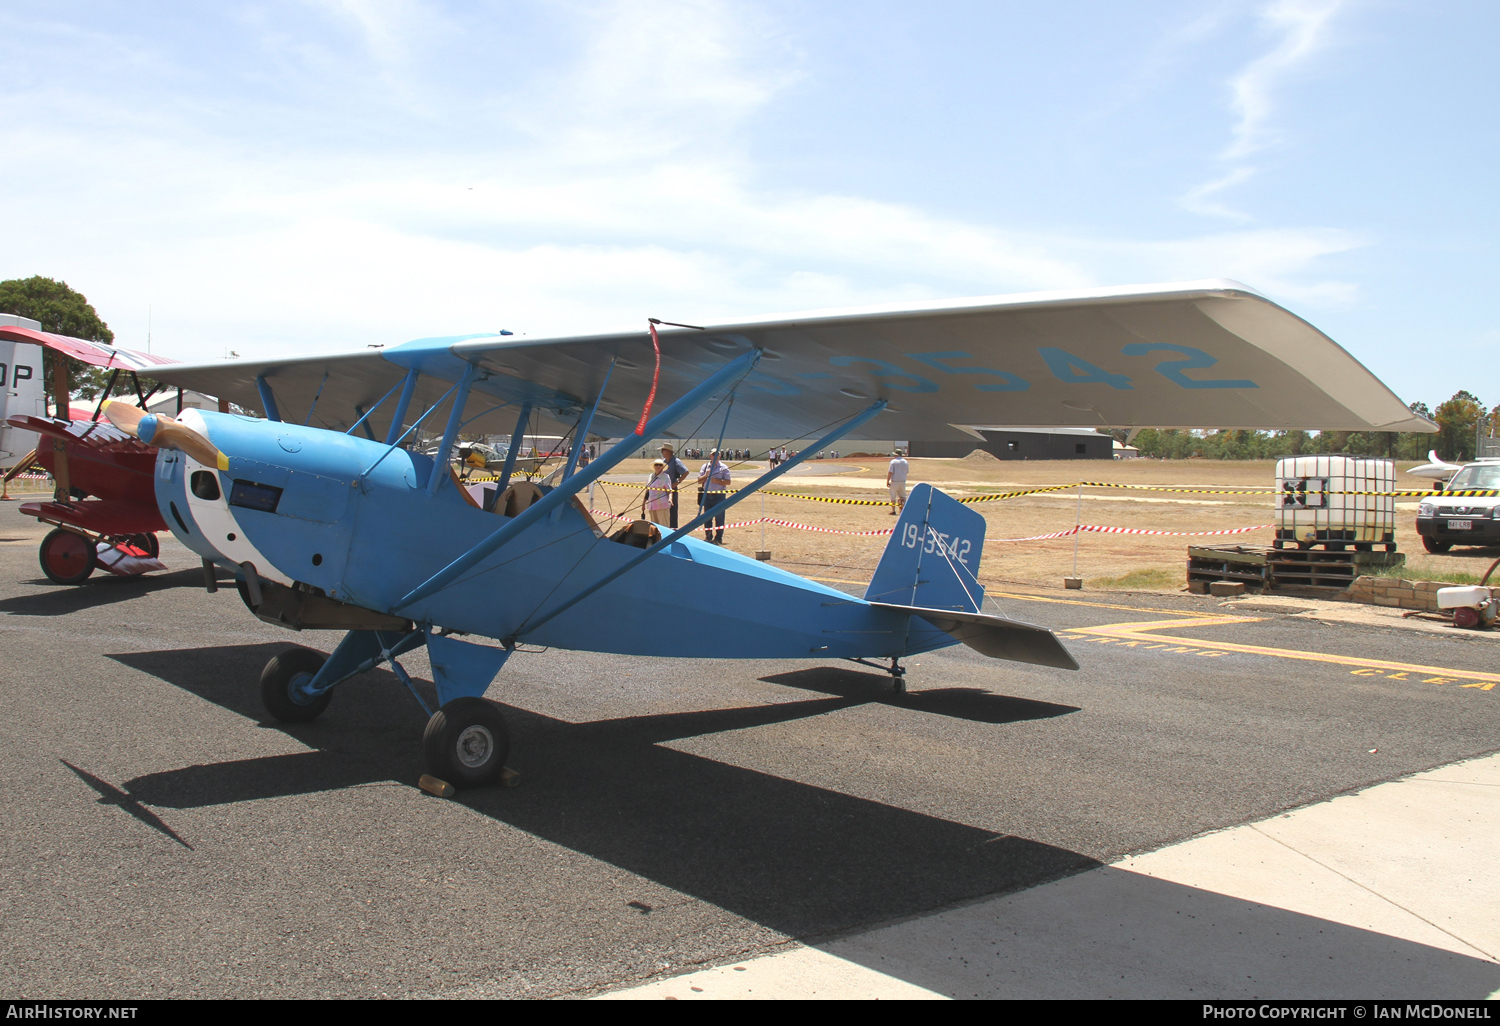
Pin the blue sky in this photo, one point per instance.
(280, 177)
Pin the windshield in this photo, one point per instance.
(1483, 476)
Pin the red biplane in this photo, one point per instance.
(104, 504)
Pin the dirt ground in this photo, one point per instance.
(1137, 562)
(1140, 562)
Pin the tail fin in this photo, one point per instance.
(933, 558)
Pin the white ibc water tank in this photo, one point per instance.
(1312, 511)
(20, 390)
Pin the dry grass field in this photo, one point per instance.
(1138, 562)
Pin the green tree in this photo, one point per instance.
(61, 311)
(1459, 419)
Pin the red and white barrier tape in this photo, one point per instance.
(762, 520)
(1131, 530)
(1097, 528)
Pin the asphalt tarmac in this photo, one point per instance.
(162, 838)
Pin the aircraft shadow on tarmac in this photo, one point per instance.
(961, 703)
(795, 857)
(806, 860)
(101, 590)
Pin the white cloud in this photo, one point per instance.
(1301, 27)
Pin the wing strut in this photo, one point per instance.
(516, 438)
(704, 517)
(581, 480)
(267, 398)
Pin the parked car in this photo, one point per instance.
(1463, 519)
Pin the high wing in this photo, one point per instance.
(1207, 354)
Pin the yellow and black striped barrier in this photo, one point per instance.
(998, 496)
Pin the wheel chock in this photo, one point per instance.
(509, 777)
(432, 785)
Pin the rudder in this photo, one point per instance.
(932, 559)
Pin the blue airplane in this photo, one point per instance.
(340, 527)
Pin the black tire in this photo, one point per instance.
(1431, 545)
(147, 543)
(276, 682)
(67, 558)
(466, 743)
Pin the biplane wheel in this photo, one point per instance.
(67, 558)
(280, 680)
(466, 743)
(147, 543)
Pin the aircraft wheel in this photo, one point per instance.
(147, 543)
(466, 743)
(1432, 545)
(281, 682)
(67, 558)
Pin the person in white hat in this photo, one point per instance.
(657, 503)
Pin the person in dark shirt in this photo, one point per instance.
(677, 471)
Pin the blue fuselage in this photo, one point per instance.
(354, 518)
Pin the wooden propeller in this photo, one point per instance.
(164, 433)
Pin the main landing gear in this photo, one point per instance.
(466, 742)
(67, 557)
(71, 558)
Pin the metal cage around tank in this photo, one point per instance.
(1330, 500)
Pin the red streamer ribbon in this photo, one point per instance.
(640, 427)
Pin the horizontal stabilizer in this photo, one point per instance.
(995, 636)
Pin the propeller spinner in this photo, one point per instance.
(153, 429)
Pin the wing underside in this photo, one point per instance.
(1196, 355)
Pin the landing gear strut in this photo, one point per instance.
(896, 670)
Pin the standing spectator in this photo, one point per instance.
(677, 472)
(895, 479)
(713, 479)
(657, 503)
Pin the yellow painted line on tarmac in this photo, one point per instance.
(1028, 597)
(1144, 635)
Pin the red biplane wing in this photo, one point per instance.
(96, 353)
(100, 516)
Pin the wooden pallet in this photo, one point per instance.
(1270, 569)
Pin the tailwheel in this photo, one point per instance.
(466, 743)
(283, 685)
(67, 558)
(898, 676)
